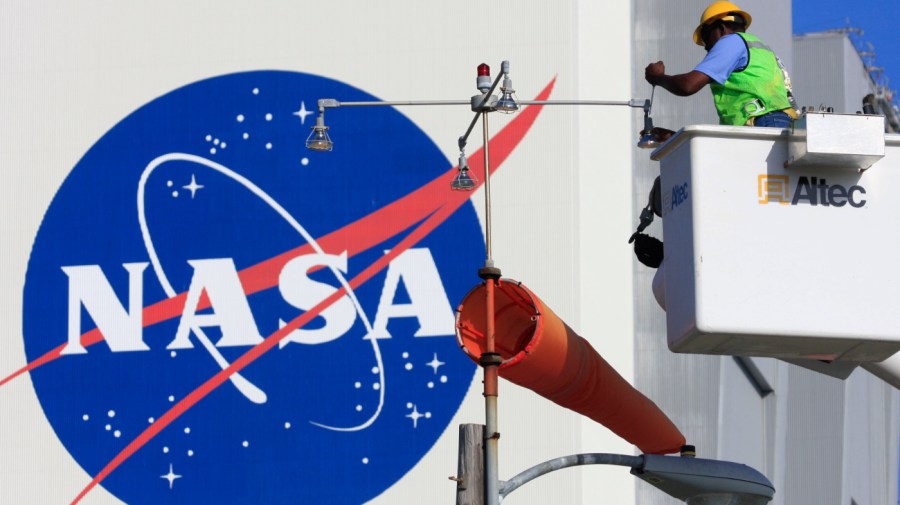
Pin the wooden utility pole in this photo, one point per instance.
(470, 470)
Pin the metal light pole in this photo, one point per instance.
(490, 360)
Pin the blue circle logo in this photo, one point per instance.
(222, 316)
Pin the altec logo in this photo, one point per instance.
(673, 199)
(679, 195)
(213, 314)
(808, 190)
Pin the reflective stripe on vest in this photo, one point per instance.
(755, 90)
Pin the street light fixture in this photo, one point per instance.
(692, 480)
(648, 140)
(318, 139)
(507, 103)
(464, 180)
(705, 481)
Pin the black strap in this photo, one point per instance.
(654, 206)
(649, 250)
(655, 200)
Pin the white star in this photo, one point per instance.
(193, 186)
(171, 476)
(303, 112)
(435, 363)
(415, 415)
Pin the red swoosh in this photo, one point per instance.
(384, 223)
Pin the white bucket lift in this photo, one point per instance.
(798, 263)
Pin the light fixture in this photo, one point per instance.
(507, 102)
(692, 480)
(647, 140)
(705, 481)
(464, 180)
(318, 139)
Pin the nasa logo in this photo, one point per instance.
(212, 308)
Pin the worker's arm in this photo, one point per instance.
(681, 84)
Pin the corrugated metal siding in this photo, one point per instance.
(829, 72)
(684, 386)
(857, 83)
(815, 428)
(818, 76)
(869, 417)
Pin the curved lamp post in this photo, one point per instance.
(692, 480)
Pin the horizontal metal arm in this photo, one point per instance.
(331, 103)
(637, 103)
(597, 458)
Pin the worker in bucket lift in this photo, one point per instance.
(748, 81)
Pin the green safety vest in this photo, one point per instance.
(754, 90)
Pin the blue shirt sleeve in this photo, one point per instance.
(728, 54)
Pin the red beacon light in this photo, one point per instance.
(484, 78)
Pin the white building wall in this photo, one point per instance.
(605, 298)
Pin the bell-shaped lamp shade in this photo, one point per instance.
(319, 140)
(647, 140)
(507, 102)
(464, 181)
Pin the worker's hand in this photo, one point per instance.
(654, 72)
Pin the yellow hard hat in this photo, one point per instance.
(717, 11)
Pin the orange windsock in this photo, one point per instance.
(540, 352)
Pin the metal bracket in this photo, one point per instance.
(329, 103)
(490, 359)
(489, 273)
